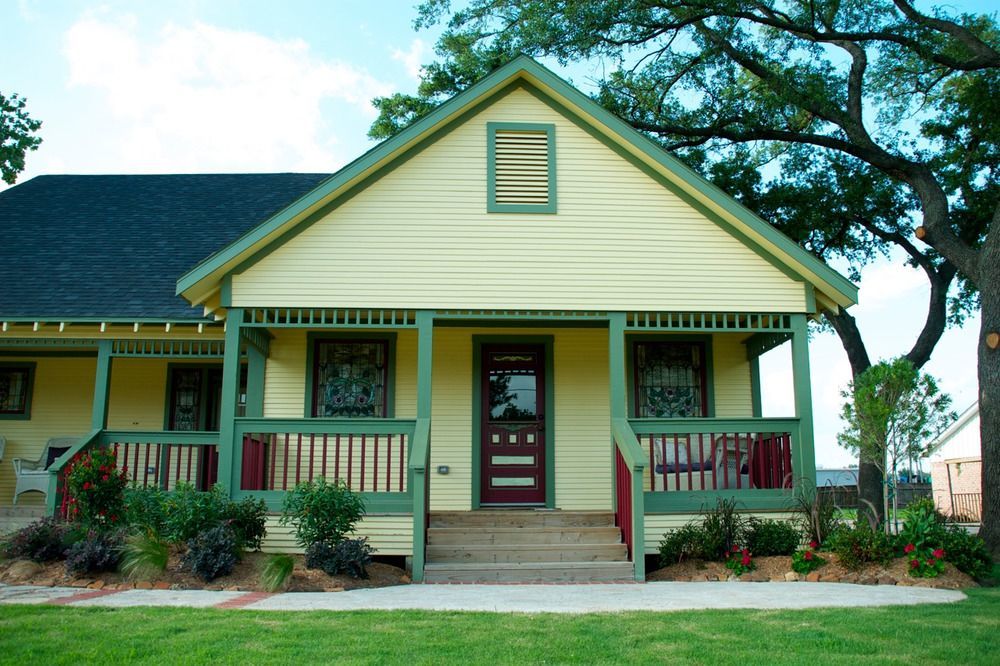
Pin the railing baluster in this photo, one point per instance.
(312, 453)
(690, 460)
(165, 478)
(652, 464)
(284, 472)
(388, 465)
(145, 468)
(298, 459)
(402, 452)
(350, 458)
(135, 465)
(375, 467)
(701, 459)
(324, 454)
(362, 488)
(677, 466)
(336, 459)
(272, 443)
(725, 461)
(190, 456)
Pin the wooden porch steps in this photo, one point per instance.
(525, 546)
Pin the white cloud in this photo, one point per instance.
(413, 59)
(203, 98)
(885, 282)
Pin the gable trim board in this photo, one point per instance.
(834, 290)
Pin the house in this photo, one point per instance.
(957, 468)
(527, 334)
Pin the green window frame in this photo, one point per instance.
(313, 342)
(704, 342)
(492, 206)
(21, 375)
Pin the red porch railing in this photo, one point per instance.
(166, 459)
(708, 454)
(623, 499)
(369, 455)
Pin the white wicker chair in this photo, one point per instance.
(34, 475)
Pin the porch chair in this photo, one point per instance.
(726, 471)
(34, 475)
(677, 469)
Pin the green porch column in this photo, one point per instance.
(228, 474)
(102, 386)
(619, 410)
(256, 362)
(420, 478)
(804, 454)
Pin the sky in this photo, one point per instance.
(191, 86)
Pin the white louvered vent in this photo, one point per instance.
(522, 167)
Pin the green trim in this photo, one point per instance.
(390, 375)
(707, 341)
(102, 386)
(697, 501)
(523, 323)
(755, 397)
(52, 497)
(759, 344)
(30, 366)
(521, 69)
(810, 298)
(340, 426)
(684, 426)
(491, 168)
(226, 291)
(229, 453)
(548, 343)
(804, 453)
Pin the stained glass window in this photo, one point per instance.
(186, 390)
(349, 378)
(669, 379)
(15, 390)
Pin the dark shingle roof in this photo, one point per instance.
(114, 246)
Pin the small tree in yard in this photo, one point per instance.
(892, 410)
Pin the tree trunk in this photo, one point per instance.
(871, 491)
(989, 394)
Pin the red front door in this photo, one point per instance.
(513, 430)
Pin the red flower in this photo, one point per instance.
(86, 485)
(939, 553)
(909, 548)
(813, 544)
(736, 549)
(745, 561)
(931, 562)
(104, 478)
(914, 564)
(746, 552)
(808, 555)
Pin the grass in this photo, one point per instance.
(931, 634)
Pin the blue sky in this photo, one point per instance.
(227, 86)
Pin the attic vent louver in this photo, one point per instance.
(522, 177)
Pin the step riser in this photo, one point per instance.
(485, 536)
(522, 519)
(449, 554)
(525, 574)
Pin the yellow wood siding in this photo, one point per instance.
(138, 394)
(62, 399)
(387, 534)
(657, 525)
(420, 237)
(733, 397)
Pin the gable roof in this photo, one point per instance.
(78, 247)
(203, 282)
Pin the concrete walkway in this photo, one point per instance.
(506, 598)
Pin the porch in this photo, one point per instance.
(594, 451)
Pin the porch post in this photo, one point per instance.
(227, 412)
(619, 410)
(804, 458)
(102, 386)
(420, 478)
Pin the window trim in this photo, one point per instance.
(709, 369)
(25, 413)
(313, 340)
(491, 168)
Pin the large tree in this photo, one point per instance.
(17, 136)
(877, 115)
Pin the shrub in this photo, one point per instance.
(807, 560)
(247, 518)
(685, 543)
(321, 512)
(772, 537)
(348, 556)
(144, 508)
(96, 489)
(276, 572)
(966, 551)
(212, 553)
(98, 551)
(188, 512)
(739, 561)
(861, 544)
(724, 529)
(144, 556)
(44, 540)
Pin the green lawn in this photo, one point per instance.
(965, 633)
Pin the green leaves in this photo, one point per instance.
(17, 131)
(321, 512)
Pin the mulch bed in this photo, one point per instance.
(779, 569)
(245, 577)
